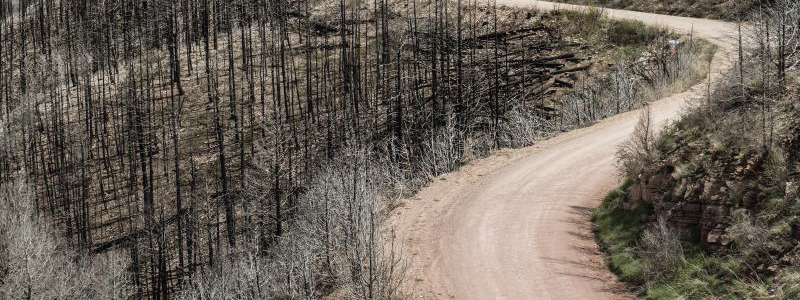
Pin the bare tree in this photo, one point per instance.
(637, 152)
(34, 264)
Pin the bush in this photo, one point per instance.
(661, 248)
(637, 154)
(524, 127)
(336, 244)
(35, 265)
(657, 263)
(630, 33)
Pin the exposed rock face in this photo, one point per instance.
(698, 184)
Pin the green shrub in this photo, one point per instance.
(696, 276)
(626, 33)
(617, 231)
(629, 268)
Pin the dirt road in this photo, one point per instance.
(516, 225)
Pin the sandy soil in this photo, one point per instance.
(516, 225)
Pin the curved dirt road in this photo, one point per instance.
(516, 225)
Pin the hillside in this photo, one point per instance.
(194, 140)
(710, 206)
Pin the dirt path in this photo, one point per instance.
(516, 225)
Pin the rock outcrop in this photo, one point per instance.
(698, 182)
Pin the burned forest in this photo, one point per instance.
(251, 149)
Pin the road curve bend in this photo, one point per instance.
(515, 225)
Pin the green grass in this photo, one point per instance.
(626, 33)
(703, 276)
(618, 231)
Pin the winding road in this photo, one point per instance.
(515, 225)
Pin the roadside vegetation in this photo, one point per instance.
(710, 209)
(650, 256)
